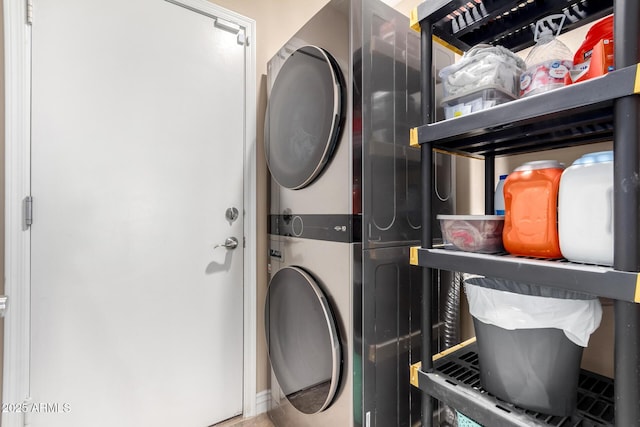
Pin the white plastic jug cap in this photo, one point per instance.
(597, 157)
(549, 26)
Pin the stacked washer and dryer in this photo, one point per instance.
(342, 309)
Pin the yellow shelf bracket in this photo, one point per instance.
(454, 348)
(414, 23)
(413, 20)
(413, 138)
(413, 255)
(447, 45)
(415, 368)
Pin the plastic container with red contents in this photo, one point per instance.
(531, 214)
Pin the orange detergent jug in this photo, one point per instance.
(595, 56)
(531, 214)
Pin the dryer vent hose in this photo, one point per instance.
(452, 312)
(448, 416)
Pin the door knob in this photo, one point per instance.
(231, 214)
(229, 243)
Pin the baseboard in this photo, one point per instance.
(263, 402)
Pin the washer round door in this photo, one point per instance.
(303, 341)
(304, 117)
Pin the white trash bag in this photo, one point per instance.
(512, 305)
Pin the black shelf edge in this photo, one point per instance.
(478, 406)
(504, 22)
(500, 130)
(455, 382)
(436, 10)
(591, 279)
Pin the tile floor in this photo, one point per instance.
(261, 420)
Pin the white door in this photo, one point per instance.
(137, 152)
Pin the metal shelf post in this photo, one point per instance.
(426, 154)
(626, 237)
(489, 178)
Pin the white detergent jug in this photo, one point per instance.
(585, 209)
(498, 197)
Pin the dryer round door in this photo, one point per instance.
(304, 117)
(303, 342)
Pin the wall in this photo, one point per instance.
(276, 22)
(273, 29)
(598, 357)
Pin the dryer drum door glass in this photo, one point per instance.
(304, 116)
(303, 342)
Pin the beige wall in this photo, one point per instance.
(598, 357)
(276, 22)
(273, 29)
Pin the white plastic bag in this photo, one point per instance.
(578, 318)
(483, 65)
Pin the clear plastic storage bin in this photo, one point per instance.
(481, 67)
(477, 100)
(472, 233)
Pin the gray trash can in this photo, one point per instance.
(530, 341)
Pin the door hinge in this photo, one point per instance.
(27, 213)
(29, 12)
(243, 39)
(227, 25)
(232, 28)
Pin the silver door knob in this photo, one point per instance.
(229, 243)
(231, 214)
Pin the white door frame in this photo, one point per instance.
(17, 42)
